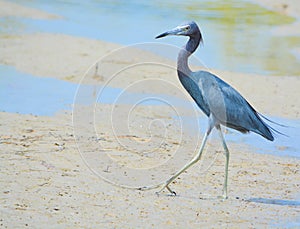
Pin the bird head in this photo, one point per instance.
(186, 29)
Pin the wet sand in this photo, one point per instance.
(45, 181)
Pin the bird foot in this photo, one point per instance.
(167, 187)
(144, 188)
(223, 197)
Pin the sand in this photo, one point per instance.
(45, 183)
(9, 9)
(46, 178)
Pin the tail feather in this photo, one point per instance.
(272, 129)
(269, 120)
(266, 130)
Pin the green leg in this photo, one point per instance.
(226, 164)
(193, 161)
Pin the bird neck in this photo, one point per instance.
(185, 52)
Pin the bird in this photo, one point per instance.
(220, 102)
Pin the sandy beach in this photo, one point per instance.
(70, 170)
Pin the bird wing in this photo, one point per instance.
(191, 84)
(228, 106)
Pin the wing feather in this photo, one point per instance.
(228, 106)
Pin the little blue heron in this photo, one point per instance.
(221, 103)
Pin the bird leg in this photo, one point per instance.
(226, 164)
(193, 161)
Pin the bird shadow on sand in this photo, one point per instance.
(279, 202)
(274, 201)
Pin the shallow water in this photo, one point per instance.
(237, 34)
(26, 94)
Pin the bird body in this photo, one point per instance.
(221, 103)
(216, 97)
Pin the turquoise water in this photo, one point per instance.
(237, 34)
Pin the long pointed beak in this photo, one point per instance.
(175, 31)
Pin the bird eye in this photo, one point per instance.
(187, 28)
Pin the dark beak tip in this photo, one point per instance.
(161, 35)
